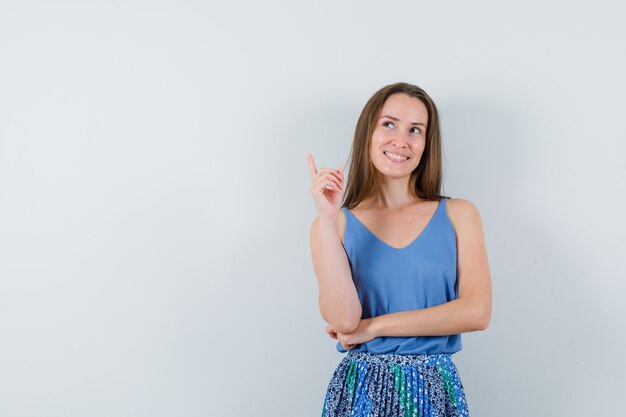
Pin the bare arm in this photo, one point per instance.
(471, 311)
(338, 300)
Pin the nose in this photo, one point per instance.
(400, 139)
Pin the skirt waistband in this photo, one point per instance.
(424, 359)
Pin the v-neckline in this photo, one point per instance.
(412, 242)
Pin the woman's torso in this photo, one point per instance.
(396, 269)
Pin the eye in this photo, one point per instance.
(384, 123)
(418, 130)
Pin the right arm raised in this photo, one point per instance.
(338, 300)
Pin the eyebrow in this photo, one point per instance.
(393, 118)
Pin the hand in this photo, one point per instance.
(362, 334)
(326, 188)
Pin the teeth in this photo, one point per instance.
(396, 157)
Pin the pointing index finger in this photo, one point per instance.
(312, 168)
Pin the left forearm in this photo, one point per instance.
(456, 316)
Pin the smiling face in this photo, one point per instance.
(399, 137)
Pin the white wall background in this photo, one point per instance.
(154, 205)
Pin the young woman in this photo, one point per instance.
(402, 269)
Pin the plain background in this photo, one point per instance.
(155, 206)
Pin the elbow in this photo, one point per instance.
(344, 320)
(482, 319)
(348, 323)
(346, 326)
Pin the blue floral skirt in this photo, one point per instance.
(395, 385)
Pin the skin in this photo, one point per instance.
(394, 215)
(338, 299)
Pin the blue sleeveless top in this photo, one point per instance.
(388, 279)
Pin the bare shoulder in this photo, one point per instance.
(464, 215)
(341, 221)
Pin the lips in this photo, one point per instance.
(396, 157)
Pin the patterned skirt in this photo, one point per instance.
(395, 385)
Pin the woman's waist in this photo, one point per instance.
(400, 359)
